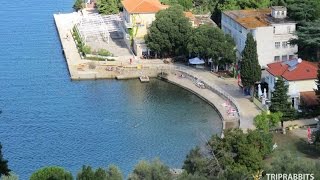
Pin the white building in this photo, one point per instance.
(299, 75)
(270, 28)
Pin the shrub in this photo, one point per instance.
(153, 170)
(51, 172)
(86, 49)
(103, 52)
(95, 58)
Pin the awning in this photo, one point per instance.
(196, 60)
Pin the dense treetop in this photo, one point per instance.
(209, 42)
(4, 169)
(51, 173)
(168, 34)
(237, 155)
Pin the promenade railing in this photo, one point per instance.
(192, 76)
(196, 78)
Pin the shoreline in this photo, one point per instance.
(121, 69)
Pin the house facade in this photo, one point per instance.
(270, 27)
(299, 75)
(138, 15)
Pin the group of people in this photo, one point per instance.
(231, 111)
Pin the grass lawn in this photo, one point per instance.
(296, 144)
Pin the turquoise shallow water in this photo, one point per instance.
(47, 119)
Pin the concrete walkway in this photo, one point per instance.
(78, 69)
(231, 120)
(246, 108)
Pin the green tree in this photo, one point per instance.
(266, 121)
(168, 34)
(186, 4)
(51, 173)
(186, 176)
(11, 176)
(210, 42)
(169, 2)
(250, 70)
(78, 4)
(155, 170)
(108, 6)
(287, 163)
(195, 163)
(279, 101)
(253, 4)
(203, 6)
(278, 2)
(4, 169)
(114, 173)
(309, 40)
(301, 11)
(87, 173)
(86, 49)
(236, 156)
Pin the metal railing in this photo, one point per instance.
(192, 76)
(195, 78)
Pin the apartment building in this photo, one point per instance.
(271, 29)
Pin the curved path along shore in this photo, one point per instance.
(228, 88)
(247, 109)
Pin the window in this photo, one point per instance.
(274, 30)
(284, 44)
(282, 13)
(278, 13)
(292, 45)
(291, 57)
(284, 58)
(277, 45)
(289, 29)
(277, 58)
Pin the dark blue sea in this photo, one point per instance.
(46, 119)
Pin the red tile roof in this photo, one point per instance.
(303, 71)
(143, 6)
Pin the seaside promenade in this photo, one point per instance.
(247, 109)
(122, 68)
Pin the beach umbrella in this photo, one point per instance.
(265, 93)
(259, 91)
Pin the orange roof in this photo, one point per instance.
(309, 98)
(143, 6)
(250, 18)
(302, 71)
